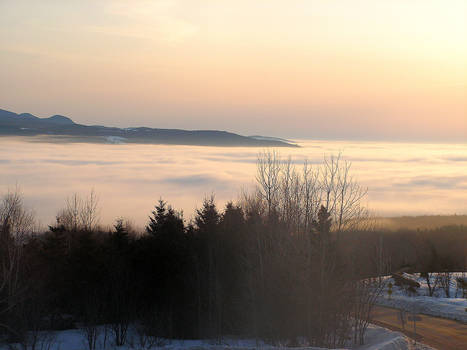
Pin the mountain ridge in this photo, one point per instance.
(27, 124)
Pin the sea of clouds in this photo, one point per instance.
(402, 178)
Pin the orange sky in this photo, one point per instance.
(372, 69)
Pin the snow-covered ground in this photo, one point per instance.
(453, 309)
(419, 301)
(376, 338)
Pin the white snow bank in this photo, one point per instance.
(75, 340)
(378, 338)
(453, 309)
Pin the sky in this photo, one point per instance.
(345, 69)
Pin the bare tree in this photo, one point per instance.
(93, 317)
(16, 223)
(311, 190)
(73, 208)
(365, 294)
(318, 203)
(80, 214)
(366, 291)
(14, 217)
(342, 194)
(268, 177)
(445, 281)
(89, 213)
(432, 282)
(297, 199)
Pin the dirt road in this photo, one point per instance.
(437, 332)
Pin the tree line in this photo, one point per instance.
(294, 261)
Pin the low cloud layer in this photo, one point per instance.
(129, 179)
(445, 182)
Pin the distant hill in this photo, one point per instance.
(421, 222)
(26, 124)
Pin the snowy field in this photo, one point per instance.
(376, 338)
(453, 307)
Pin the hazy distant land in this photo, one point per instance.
(59, 128)
(423, 222)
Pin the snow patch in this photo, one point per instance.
(116, 140)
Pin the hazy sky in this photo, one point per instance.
(328, 68)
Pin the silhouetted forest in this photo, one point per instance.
(288, 261)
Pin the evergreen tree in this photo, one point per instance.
(207, 229)
(323, 224)
(207, 218)
(165, 222)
